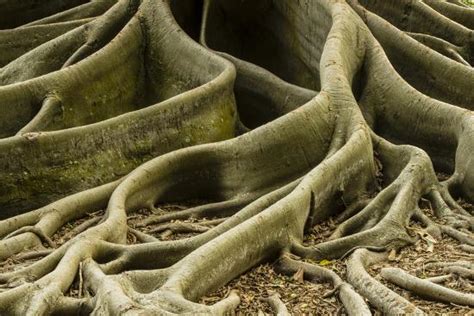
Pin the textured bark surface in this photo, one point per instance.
(273, 115)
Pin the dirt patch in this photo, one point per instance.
(300, 297)
(413, 259)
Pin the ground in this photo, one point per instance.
(213, 157)
(300, 296)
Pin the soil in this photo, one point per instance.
(300, 297)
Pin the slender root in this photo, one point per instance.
(368, 216)
(178, 227)
(461, 271)
(352, 301)
(142, 237)
(431, 227)
(84, 226)
(351, 210)
(219, 209)
(456, 234)
(443, 265)
(277, 305)
(467, 248)
(426, 288)
(34, 254)
(378, 295)
(35, 230)
(440, 278)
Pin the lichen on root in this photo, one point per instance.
(278, 114)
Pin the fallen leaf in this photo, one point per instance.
(299, 275)
(325, 262)
(392, 256)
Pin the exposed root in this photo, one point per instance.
(439, 278)
(382, 222)
(178, 227)
(162, 114)
(456, 234)
(435, 265)
(277, 305)
(117, 296)
(467, 248)
(34, 230)
(430, 226)
(378, 295)
(84, 226)
(142, 237)
(34, 254)
(460, 271)
(104, 29)
(49, 219)
(353, 302)
(218, 209)
(50, 110)
(425, 288)
(352, 209)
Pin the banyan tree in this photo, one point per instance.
(271, 116)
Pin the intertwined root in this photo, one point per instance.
(353, 302)
(304, 156)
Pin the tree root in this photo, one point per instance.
(49, 219)
(437, 265)
(460, 271)
(84, 226)
(467, 248)
(117, 297)
(378, 295)
(353, 302)
(277, 305)
(218, 209)
(93, 8)
(439, 278)
(142, 237)
(34, 230)
(178, 227)
(207, 92)
(456, 234)
(34, 254)
(352, 210)
(104, 29)
(382, 222)
(307, 156)
(425, 288)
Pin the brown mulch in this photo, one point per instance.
(300, 297)
(306, 298)
(414, 257)
(135, 218)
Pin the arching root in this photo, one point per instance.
(382, 222)
(378, 295)
(29, 230)
(277, 305)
